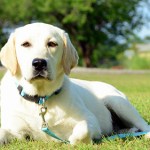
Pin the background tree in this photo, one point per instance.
(98, 28)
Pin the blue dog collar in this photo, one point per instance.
(37, 99)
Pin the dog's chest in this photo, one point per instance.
(55, 116)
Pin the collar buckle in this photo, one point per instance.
(41, 101)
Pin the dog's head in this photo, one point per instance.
(39, 51)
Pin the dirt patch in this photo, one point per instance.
(109, 71)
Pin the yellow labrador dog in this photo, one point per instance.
(37, 92)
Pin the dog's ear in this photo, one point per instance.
(70, 55)
(8, 55)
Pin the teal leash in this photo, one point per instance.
(45, 127)
(43, 110)
(52, 134)
(126, 135)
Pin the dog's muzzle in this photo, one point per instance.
(39, 68)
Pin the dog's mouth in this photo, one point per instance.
(40, 76)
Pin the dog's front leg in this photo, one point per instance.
(5, 136)
(85, 131)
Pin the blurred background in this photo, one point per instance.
(106, 33)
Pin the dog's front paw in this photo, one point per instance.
(5, 136)
(80, 134)
(78, 139)
(147, 135)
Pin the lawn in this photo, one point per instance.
(135, 86)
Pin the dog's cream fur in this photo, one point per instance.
(80, 112)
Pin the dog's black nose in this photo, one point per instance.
(39, 64)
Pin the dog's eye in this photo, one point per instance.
(26, 44)
(52, 44)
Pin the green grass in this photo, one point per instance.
(137, 62)
(135, 86)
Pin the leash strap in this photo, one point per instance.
(43, 110)
(52, 134)
(45, 127)
(126, 135)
